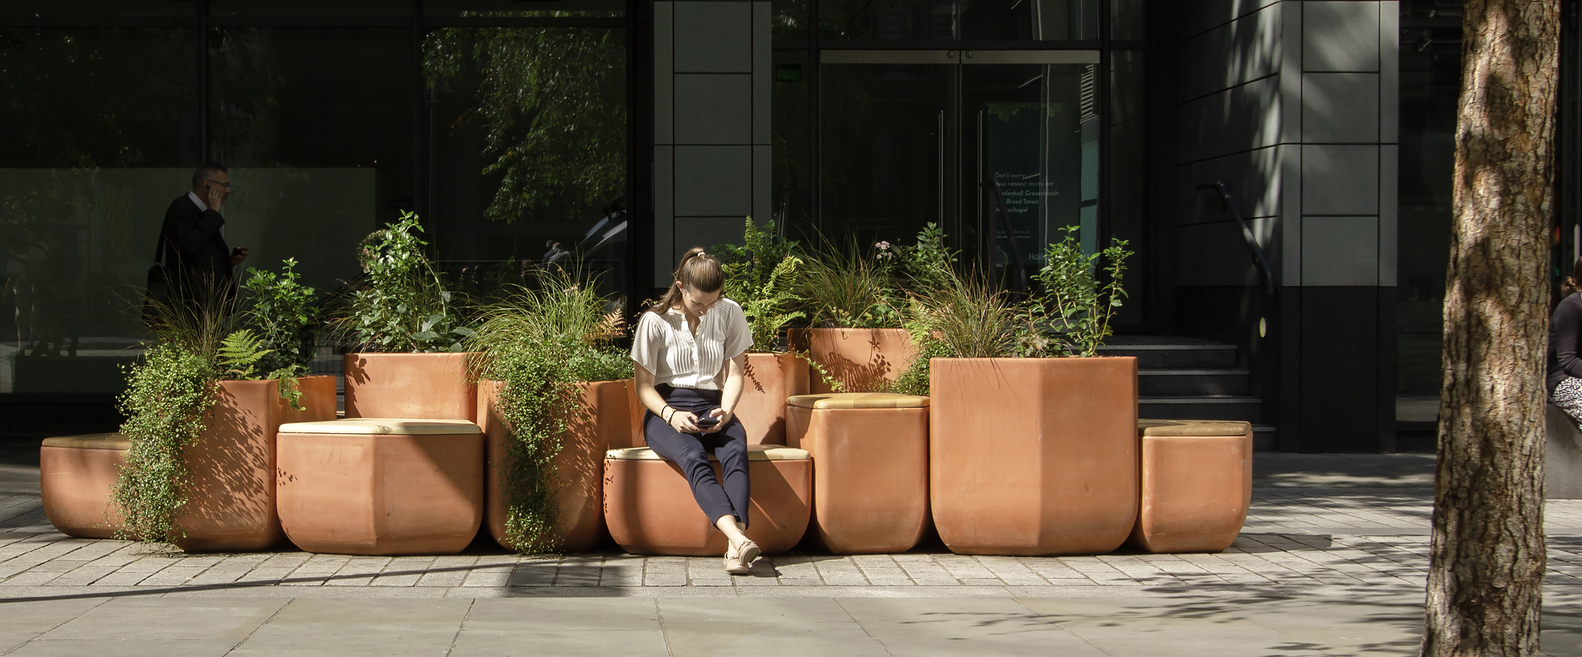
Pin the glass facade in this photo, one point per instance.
(333, 117)
(1003, 123)
(1430, 82)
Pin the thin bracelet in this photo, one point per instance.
(672, 413)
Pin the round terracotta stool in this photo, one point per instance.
(1196, 484)
(649, 508)
(77, 481)
(870, 479)
(381, 486)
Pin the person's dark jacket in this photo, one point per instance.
(195, 250)
(1565, 328)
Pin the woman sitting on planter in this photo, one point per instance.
(690, 354)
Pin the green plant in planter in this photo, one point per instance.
(761, 275)
(1073, 306)
(966, 317)
(168, 395)
(286, 320)
(843, 288)
(171, 391)
(402, 304)
(541, 342)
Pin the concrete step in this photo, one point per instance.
(1181, 383)
(1207, 407)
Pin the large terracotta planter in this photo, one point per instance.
(1033, 456)
(770, 380)
(650, 510)
(863, 360)
(1196, 484)
(428, 386)
(579, 468)
(870, 474)
(381, 486)
(77, 481)
(231, 498)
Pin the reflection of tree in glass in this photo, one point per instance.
(553, 105)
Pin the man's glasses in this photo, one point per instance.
(222, 184)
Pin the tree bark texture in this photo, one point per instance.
(1487, 555)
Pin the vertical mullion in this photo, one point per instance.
(201, 17)
(420, 196)
(1106, 61)
(815, 65)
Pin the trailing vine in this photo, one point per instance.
(168, 396)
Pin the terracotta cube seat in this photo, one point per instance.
(649, 508)
(77, 480)
(381, 486)
(1196, 481)
(870, 475)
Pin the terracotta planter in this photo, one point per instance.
(381, 487)
(77, 481)
(770, 380)
(650, 510)
(427, 386)
(1196, 484)
(231, 502)
(870, 475)
(863, 360)
(1033, 456)
(318, 400)
(579, 467)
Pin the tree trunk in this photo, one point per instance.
(1487, 558)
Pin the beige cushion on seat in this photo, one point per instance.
(852, 400)
(91, 441)
(1193, 427)
(384, 426)
(754, 453)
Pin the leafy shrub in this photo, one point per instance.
(285, 315)
(955, 316)
(761, 275)
(401, 305)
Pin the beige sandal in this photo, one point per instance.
(734, 564)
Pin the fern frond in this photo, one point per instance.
(240, 352)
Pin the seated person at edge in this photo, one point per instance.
(690, 354)
(1564, 380)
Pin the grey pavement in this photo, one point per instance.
(1332, 561)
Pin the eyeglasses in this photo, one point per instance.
(222, 184)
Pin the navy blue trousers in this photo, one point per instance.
(690, 452)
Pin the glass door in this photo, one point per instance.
(998, 147)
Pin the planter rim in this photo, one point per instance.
(754, 453)
(1059, 358)
(384, 427)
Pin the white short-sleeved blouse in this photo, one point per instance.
(664, 345)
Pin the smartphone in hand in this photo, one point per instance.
(707, 422)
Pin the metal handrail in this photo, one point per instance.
(1269, 283)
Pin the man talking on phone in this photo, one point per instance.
(200, 264)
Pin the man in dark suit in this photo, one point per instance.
(200, 262)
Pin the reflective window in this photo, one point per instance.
(95, 9)
(317, 123)
(97, 122)
(309, 9)
(527, 146)
(958, 20)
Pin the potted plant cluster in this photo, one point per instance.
(555, 392)
(1032, 437)
(856, 303)
(203, 407)
(762, 276)
(406, 325)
